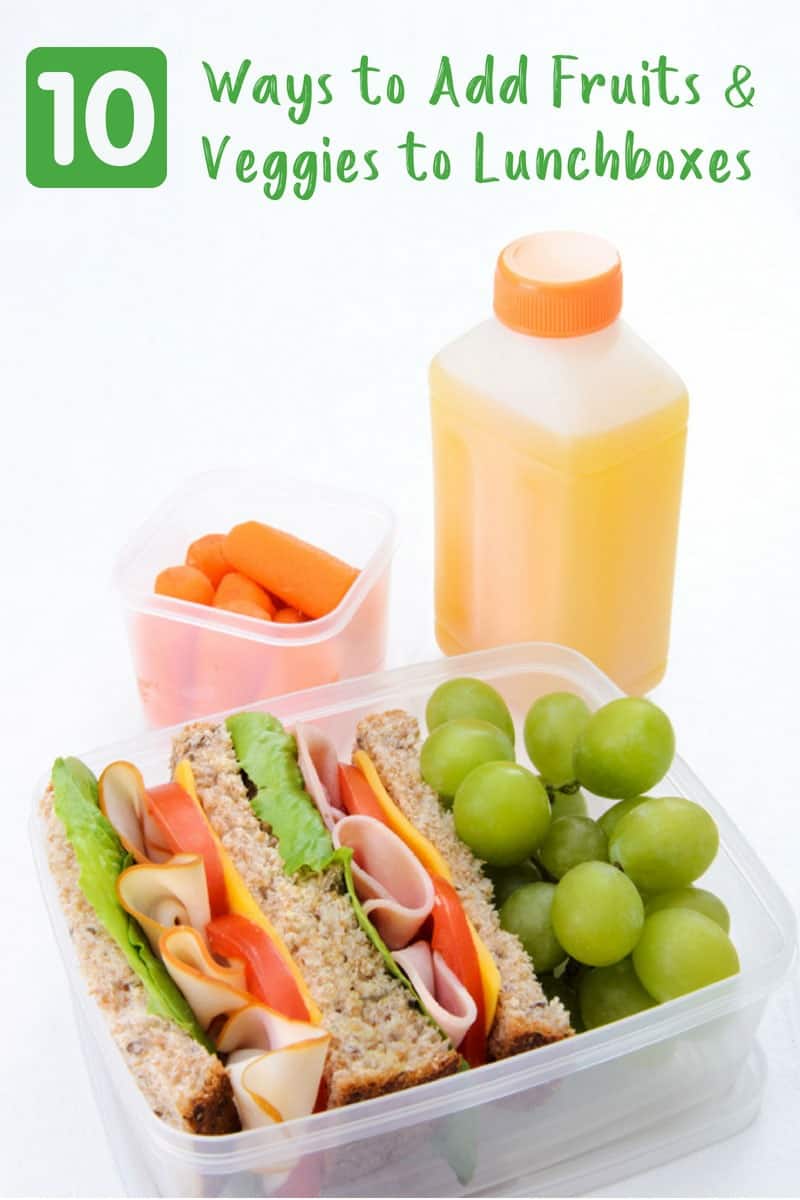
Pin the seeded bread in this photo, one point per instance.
(183, 1084)
(525, 1018)
(380, 1042)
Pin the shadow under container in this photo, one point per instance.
(190, 659)
(558, 1120)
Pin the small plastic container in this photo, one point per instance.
(190, 659)
(556, 1120)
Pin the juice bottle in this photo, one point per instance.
(559, 440)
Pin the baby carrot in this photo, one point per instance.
(237, 590)
(303, 576)
(185, 583)
(206, 554)
(289, 616)
(246, 608)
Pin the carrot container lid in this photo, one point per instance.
(558, 284)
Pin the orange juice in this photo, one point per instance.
(559, 440)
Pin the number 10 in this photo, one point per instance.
(62, 86)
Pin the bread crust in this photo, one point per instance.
(366, 1087)
(183, 1083)
(525, 1018)
(380, 1041)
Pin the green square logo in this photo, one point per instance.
(96, 116)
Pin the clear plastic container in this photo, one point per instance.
(573, 1114)
(190, 659)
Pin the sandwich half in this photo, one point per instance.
(182, 1079)
(524, 1018)
(380, 1040)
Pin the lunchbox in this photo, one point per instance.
(189, 659)
(555, 1120)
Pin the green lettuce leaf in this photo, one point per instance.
(457, 1137)
(101, 858)
(267, 755)
(344, 855)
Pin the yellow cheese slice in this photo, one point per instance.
(239, 897)
(397, 821)
(433, 862)
(490, 977)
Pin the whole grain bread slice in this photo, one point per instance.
(380, 1041)
(525, 1018)
(182, 1082)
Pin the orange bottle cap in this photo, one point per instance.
(558, 284)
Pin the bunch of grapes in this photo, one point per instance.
(607, 909)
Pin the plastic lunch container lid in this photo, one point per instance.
(558, 284)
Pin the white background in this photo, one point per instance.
(149, 335)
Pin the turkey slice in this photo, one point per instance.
(122, 795)
(211, 989)
(162, 895)
(275, 1064)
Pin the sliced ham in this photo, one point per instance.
(394, 887)
(441, 991)
(319, 766)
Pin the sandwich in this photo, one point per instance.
(274, 932)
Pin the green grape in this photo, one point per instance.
(681, 950)
(690, 897)
(468, 698)
(568, 804)
(551, 730)
(456, 748)
(597, 914)
(626, 747)
(569, 841)
(502, 812)
(527, 914)
(562, 988)
(612, 816)
(610, 993)
(665, 843)
(506, 880)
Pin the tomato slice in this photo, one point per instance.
(357, 796)
(185, 830)
(268, 977)
(452, 938)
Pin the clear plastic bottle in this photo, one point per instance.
(559, 440)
